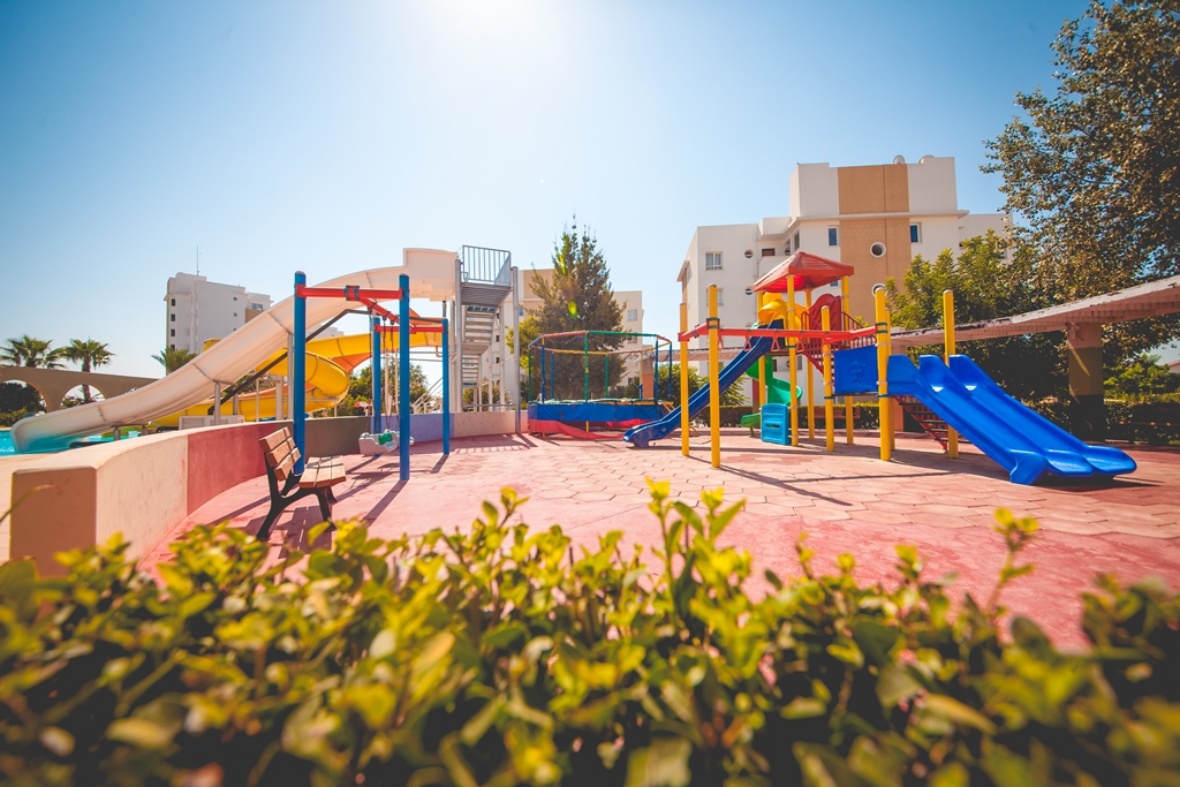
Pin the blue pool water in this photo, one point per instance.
(7, 447)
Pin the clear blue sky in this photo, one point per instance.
(280, 135)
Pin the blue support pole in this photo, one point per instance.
(378, 398)
(298, 394)
(446, 387)
(403, 347)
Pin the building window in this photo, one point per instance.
(915, 233)
(713, 261)
(172, 317)
(877, 249)
(833, 236)
(794, 243)
(172, 347)
(720, 296)
(172, 332)
(632, 315)
(173, 301)
(768, 252)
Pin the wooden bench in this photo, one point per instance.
(287, 486)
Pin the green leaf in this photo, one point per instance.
(876, 640)
(952, 775)
(664, 763)
(142, 733)
(894, 685)
(951, 709)
(18, 580)
(804, 708)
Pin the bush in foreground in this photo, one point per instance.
(500, 656)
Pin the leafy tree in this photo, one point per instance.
(577, 298)
(18, 396)
(669, 379)
(172, 358)
(360, 386)
(1145, 376)
(31, 353)
(985, 285)
(1093, 169)
(89, 354)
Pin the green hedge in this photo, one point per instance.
(497, 655)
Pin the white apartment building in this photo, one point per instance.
(876, 218)
(198, 309)
(630, 304)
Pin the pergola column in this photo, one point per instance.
(1088, 407)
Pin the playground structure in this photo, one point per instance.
(593, 416)
(474, 286)
(957, 397)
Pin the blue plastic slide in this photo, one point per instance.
(1015, 437)
(641, 435)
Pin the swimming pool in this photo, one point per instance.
(7, 446)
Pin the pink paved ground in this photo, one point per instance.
(848, 501)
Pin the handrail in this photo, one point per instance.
(486, 266)
(419, 404)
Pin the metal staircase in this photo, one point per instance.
(484, 311)
(927, 419)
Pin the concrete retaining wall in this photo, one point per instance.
(144, 487)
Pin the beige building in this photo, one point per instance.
(199, 310)
(876, 218)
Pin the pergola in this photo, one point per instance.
(1082, 323)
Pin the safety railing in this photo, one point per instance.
(486, 266)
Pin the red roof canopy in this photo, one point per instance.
(809, 271)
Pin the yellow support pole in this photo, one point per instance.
(948, 324)
(764, 363)
(793, 378)
(886, 415)
(714, 380)
(810, 378)
(684, 380)
(829, 425)
(848, 414)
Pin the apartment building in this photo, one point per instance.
(630, 304)
(876, 218)
(198, 310)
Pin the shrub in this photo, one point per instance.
(500, 655)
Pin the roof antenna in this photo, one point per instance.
(198, 260)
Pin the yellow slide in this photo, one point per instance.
(329, 363)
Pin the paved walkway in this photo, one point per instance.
(848, 501)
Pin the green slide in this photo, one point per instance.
(777, 392)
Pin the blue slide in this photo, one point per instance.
(1015, 437)
(641, 435)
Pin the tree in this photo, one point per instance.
(18, 400)
(31, 353)
(1146, 376)
(1030, 367)
(89, 354)
(360, 386)
(669, 379)
(578, 297)
(172, 359)
(1092, 172)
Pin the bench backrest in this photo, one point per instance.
(280, 452)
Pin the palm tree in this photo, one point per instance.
(172, 359)
(89, 354)
(31, 353)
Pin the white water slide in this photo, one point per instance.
(432, 276)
